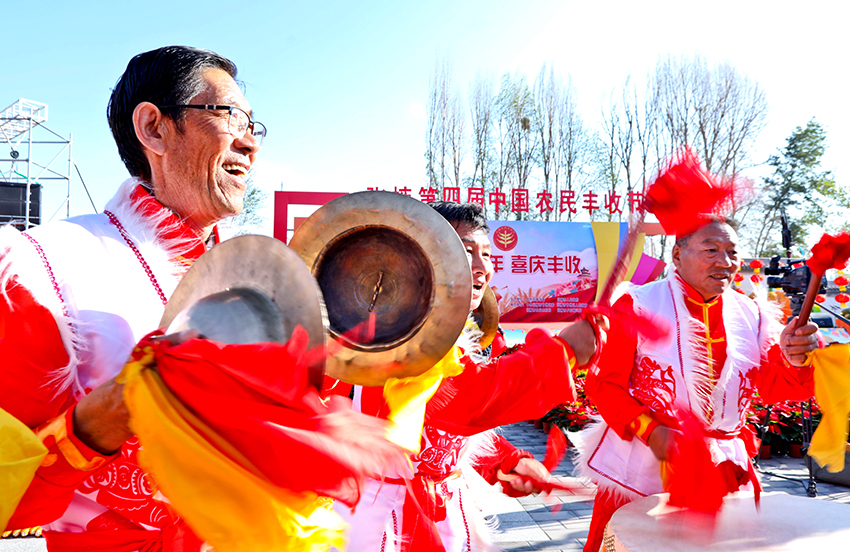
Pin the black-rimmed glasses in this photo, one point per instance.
(238, 121)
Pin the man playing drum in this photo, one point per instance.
(721, 347)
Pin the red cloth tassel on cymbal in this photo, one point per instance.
(258, 398)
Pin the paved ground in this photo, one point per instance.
(529, 523)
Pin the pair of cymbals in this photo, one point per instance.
(384, 275)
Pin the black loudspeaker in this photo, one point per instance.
(13, 203)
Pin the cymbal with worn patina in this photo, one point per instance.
(396, 283)
(487, 317)
(250, 289)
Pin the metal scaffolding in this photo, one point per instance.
(31, 143)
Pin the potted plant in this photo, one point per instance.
(791, 417)
(574, 416)
(767, 430)
(791, 426)
(784, 430)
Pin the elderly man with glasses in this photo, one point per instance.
(77, 295)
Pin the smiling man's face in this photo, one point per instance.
(477, 246)
(204, 166)
(708, 260)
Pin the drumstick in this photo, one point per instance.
(544, 486)
(624, 256)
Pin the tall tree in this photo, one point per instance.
(517, 112)
(549, 96)
(646, 132)
(798, 185)
(503, 163)
(481, 109)
(445, 130)
(575, 148)
(455, 136)
(715, 109)
(607, 157)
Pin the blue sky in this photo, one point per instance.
(343, 86)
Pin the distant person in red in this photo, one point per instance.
(721, 347)
(492, 390)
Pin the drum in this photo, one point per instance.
(784, 523)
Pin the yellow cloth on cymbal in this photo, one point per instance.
(21, 453)
(214, 488)
(408, 397)
(832, 390)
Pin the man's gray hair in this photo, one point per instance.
(682, 241)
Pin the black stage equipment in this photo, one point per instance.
(13, 204)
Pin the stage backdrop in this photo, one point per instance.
(546, 272)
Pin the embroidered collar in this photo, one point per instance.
(693, 295)
(172, 227)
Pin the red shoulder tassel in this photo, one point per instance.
(830, 252)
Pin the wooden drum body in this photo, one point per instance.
(784, 523)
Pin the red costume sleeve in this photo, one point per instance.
(607, 382)
(67, 464)
(32, 352)
(500, 456)
(522, 385)
(777, 380)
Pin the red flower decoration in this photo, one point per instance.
(842, 298)
(842, 281)
(820, 298)
(756, 263)
(682, 196)
(830, 252)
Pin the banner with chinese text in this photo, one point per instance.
(547, 272)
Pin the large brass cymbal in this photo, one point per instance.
(249, 289)
(487, 317)
(396, 282)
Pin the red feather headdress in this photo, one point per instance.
(684, 196)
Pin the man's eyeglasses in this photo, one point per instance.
(238, 121)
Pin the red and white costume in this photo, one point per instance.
(518, 386)
(709, 364)
(77, 296)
